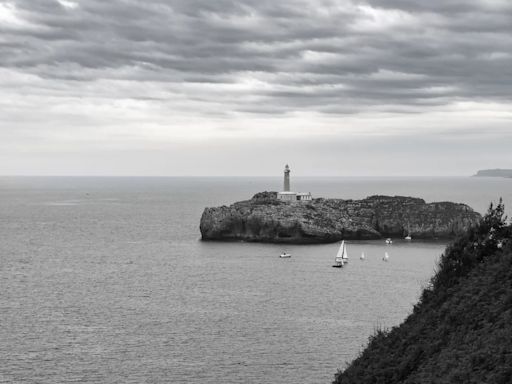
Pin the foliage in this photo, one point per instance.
(472, 247)
(461, 330)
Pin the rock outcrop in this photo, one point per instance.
(266, 219)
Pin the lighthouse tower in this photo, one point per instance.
(286, 178)
(289, 196)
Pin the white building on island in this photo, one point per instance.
(287, 195)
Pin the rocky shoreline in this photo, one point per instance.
(266, 219)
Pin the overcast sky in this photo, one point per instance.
(225, 87)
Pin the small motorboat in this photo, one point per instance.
(389, 241)
(285, 255)
(408, 237)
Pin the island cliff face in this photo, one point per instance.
(266, 219)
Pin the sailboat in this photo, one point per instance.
(408, 237)
(341, 256)
(362, 256)
(344, 256)
(386, 256)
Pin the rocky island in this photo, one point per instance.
(264, 218)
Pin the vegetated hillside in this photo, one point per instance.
(461, 329)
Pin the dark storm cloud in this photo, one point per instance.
(327, 56)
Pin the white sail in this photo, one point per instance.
(339, 255)
(344, 256)
(386, 257)
(362, 256)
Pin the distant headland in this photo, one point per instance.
(494, 173)
(298, 218)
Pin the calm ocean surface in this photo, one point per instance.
(104, 280)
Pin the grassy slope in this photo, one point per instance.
(461, 330)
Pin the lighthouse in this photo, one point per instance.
(286, 178)
(289, 196)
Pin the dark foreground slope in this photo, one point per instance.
(461, 330)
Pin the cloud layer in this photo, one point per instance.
(122, 71)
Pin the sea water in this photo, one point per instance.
(105, 280)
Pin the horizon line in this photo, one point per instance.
(234, 176)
